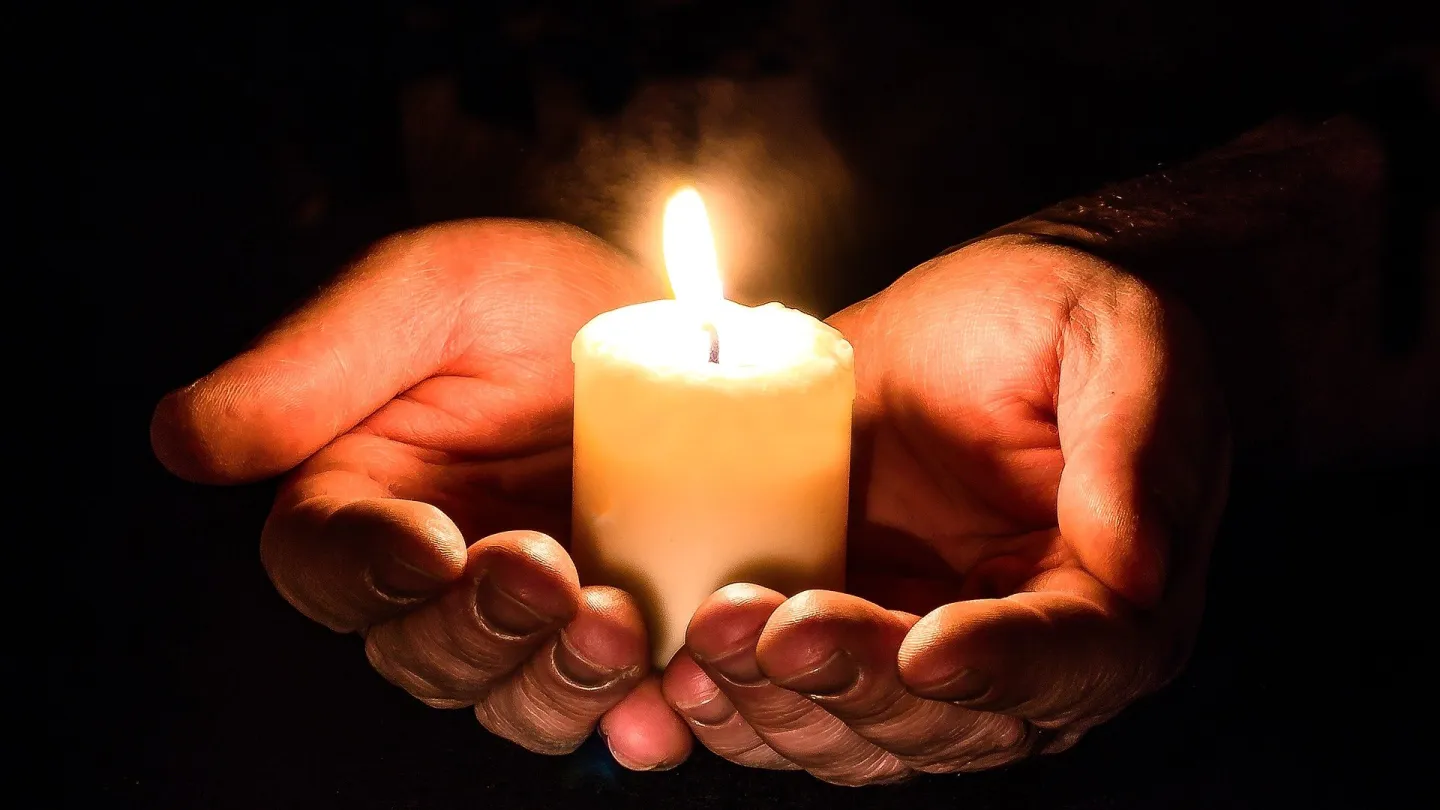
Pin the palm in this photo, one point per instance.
(486, 436)
(1020, 427)
(957, 456)
(956, 471)
(485, 484)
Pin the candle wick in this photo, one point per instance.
(714, 342)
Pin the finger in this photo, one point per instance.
(518, 590)
(840, 652)
(553, 703)
(722, 637)
(642, 731)
(371, 334)
(348, 557)
(713, 718)
(1069, 651)
(1141, 455)
(406, 311)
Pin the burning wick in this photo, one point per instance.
(714, 342)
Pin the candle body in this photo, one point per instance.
(690, 475)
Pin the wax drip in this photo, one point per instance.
(714, 342)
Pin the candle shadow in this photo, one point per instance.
(783, 576)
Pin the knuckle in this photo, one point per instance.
(993, 740)
(530, 725)
(748, 752)
(779, 714)
(405, 677)
(994, 732)
(940, 765)
(311, 604)
(419, 654)
(879, 769)
(878, 710)
(302, 566)
(1007, 734)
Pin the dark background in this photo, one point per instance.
(246, 153)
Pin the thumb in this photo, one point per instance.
(376, 330)
(403, 313)
(1139, 430)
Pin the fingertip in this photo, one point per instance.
(817, 607)
(947, 654)
(685, 684)
(807, 626)
(415, 548)
(531, 569)
(536, 547)
(180, 445)
(609, 630)
(800, 644)
(730, 618)
(1042, 654)
(644, 733)
(231, 428)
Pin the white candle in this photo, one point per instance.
(692, 474)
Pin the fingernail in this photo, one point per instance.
(633, 766)
(404, 578)
(711, 712)
(965, 684)
(505, 612)
(831, 677)
(579, 670)
(739, 668)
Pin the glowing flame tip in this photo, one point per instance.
(690, 249)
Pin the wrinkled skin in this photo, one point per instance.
(1040, 462)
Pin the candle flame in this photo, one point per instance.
(690, 250)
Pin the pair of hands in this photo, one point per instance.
(1040, 462)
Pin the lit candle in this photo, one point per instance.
(712, 442)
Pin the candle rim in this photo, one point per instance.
(811, 346)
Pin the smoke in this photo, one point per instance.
(777, 189)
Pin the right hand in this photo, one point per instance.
(422, 405)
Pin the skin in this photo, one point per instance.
(1040, 462)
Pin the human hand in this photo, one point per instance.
(422, 405)
(1040, 463)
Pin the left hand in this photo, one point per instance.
(1040, 464)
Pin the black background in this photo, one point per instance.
(246, 153)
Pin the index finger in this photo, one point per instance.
(1069, 650)
(346, 553)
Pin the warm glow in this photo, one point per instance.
(690, 249)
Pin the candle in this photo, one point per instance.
(712, 442)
